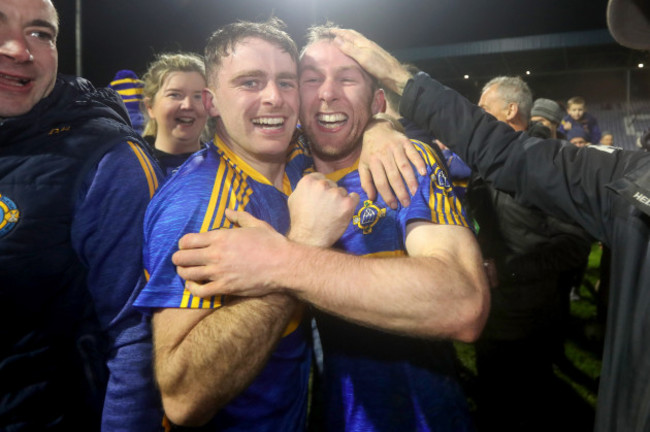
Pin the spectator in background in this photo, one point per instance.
(643, 142)
(176, 117)
(514, 355)
(577, 137)
(549, 113)
(607, 139)
(127, 84)
(508, 99)
(577, 117)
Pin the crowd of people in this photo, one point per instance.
(377, 216)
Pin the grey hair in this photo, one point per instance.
(513, 90)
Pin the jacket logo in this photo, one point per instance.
(368, 216)
(9, 215)
(54, 131)
(641, 198)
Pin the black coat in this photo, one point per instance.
(606, 191)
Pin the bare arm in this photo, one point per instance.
(438, 291)
(204, 358)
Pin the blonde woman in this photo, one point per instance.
(176, 117)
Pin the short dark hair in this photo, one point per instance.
(221, 43)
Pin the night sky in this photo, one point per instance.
(126, 34)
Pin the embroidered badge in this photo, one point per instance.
(9, 215)
(441, 179)
(368, 216)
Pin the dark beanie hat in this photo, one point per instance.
(576, 132)
(548, 109)
(130, 88)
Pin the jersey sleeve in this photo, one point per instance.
(180, 207)
(107, 235)
(435, 200)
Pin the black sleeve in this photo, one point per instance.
(550, 174)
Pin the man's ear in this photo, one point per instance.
(208, 102)
(378, 102)
(513, 111)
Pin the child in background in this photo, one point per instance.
(607, 139)
(578, 117)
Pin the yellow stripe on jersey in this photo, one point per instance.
(445, 209)
(145, 163)
(339, 174)
(295, 320)
(386, 254)
(241, 164)
(209, 213)
(187, 295)
(130, 100)
(230, 190)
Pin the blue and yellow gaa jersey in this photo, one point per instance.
(373, 380)
(378, 230)
(193, 200)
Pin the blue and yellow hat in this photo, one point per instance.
(130, 88)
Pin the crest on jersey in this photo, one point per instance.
(9, 215)
(368, 216)
(441, 179)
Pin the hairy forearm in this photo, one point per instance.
(202, 368)
(422, 296)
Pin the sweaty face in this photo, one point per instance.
(336, 102)
(576, 111)
(493, 104)
(28, 55)
(255, 95)
(179, 112)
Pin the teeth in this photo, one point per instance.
(332, 118)
(270, 121)
(16, 80)
(185, 120)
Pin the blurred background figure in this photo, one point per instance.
(549, 113)
(532, 253)
(607, 139)
(176, 117)
(577, 117)
(127, 84)
(577, 137)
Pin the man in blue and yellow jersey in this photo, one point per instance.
(417, 274)
(75, 181)
(229, 363)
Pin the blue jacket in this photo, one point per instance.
(74, 183)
